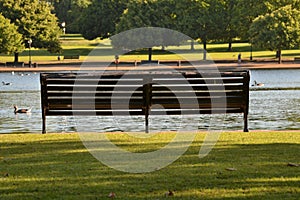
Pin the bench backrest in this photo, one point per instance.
(139, 93)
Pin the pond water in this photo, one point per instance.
(274, 106)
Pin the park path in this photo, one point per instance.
(77, 66)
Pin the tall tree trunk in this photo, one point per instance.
(150, 54)
(279, 56)
(192, 45)
(204, 49)
(229, 46)
(16, 57)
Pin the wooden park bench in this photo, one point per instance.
(14, 64)
(144, 93)
(297, 59)
(71, 57)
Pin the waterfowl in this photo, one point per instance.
(21, 110)
(257, 84)
(4, 83)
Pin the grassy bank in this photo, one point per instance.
(76, 45)
(241, 166)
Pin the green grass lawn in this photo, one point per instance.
(74, 44)
(58, 166)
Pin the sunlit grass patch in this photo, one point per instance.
(75, 44)
(241, 166)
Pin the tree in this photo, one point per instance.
(100, 17)
(68, 11)
(10, 39)
(247, 11)
(273, 5)
(150, 13)
(34, 21)
(190, 19)
(277, 30)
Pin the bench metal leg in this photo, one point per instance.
(246, 122)
(44, 121)
(147, 123)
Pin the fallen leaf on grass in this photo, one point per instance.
(231, 169)
(169, 193)
(5, 174)
(293, 165)
(112, 195)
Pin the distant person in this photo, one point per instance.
(239, 58)
(117, 60)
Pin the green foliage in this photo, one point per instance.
(273, 5)
(143, 16)
(100, 17)
(10, 40)
(150, 13)
(147, 37)
(68, 11)
(207, 20)
(34, 21)
(248, 10)
(191, 18)
(277, 30)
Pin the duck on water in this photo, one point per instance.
(257, 84)
(4, 83)
(21, 110)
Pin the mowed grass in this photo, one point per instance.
(58, 166)
(74, 44)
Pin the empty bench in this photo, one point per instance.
(14, 64)
(71, 57)
(297, 59)
(144, 93)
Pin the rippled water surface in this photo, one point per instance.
(276, 107)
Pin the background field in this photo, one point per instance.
(241, 166)
(74, 44)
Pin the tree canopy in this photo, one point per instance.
(34, 21)
(10, 39)
(69, 12)
(100, 17)
(203, 20)
(277, 30)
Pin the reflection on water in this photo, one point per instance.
(269, 109)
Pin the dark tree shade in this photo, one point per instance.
(100, 17)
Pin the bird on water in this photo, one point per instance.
(6, 83)
(21, 110)
(257, 84)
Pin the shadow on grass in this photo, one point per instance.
(62, 168)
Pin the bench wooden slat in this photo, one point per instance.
(197, 88)
(193, 112)
(140, 81)
(154, 88)
(92, 113)
(137, 75)
(87, 94)
(92, 89)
